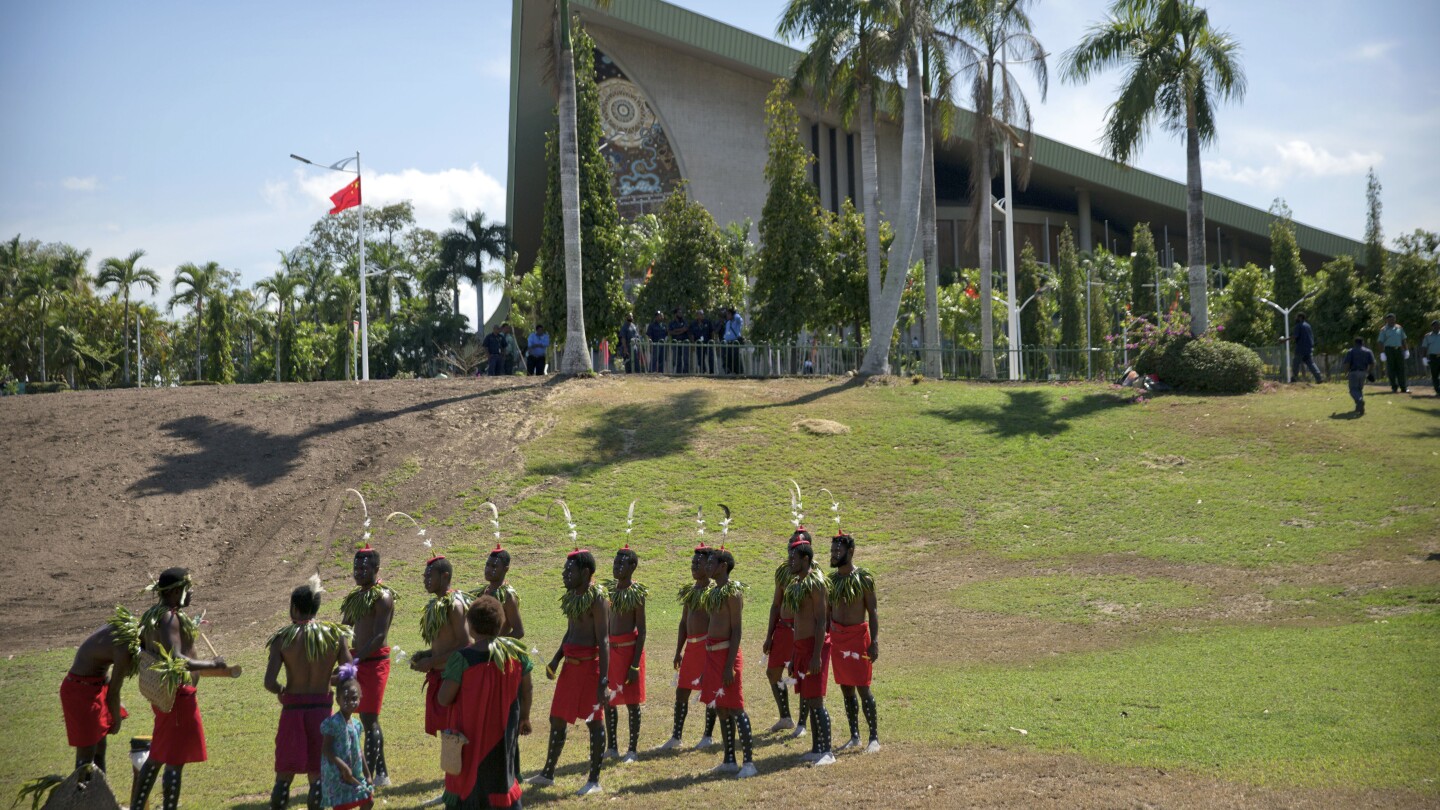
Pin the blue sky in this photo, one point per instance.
(166, 125)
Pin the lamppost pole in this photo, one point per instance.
(1286, 312)
(339, 166)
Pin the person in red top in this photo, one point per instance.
(369, 609)
(487, 690)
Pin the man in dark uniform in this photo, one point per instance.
(1360, 362)
(629, 333)
(656, 333)
(701, 332)
(1302, 345)
(679, 338)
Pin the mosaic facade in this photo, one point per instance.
(643, 168)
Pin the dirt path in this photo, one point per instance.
(242, 484)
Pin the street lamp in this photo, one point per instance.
(340, 166)
(1013, 327)
(1286, 312)
(1089, 341)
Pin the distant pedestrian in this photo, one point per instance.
(537, 347)
(679, 342)
(1360, 363)
(702, 332)
(629, 333)
(732, 336)
(514, 357)
(1394, 351)
(1430, 354)
(656, 333)
(494, 344)
(1302, 345)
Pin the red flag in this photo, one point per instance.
(347, 197)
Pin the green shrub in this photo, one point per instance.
(46, 387)
(199, 382)
(1218, 367)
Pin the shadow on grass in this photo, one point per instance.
(653, 430)
(226, 451)
(1433, 432)
(1032, 413)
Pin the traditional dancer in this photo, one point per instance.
(179, 735)
(497, 567)
(780, 642)
(722, 688)
(806, 595)
(344, 770)
(369, 610)
(308, 650)
(487, 687)
(442, 627)
(690, 648)
(90, 692)
(627, 652)
(856, 641)
(580, 692)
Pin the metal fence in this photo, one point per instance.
(1034, 363)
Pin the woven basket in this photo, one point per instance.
(452, 752)
(152, 685)
(93, 794)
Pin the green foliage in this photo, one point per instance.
(1072, 292)
(1201, 365)
(845, 297)
(1343, 308)
(50, 387)
(687, 270)
(600, 241)
(1034, 326)
(1412, 282)
(792, 230)
(1144, 267)
(1374, 269)
(1244, 318)
(1288, 281)
(220, 367)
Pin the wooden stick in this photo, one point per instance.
(234, 671)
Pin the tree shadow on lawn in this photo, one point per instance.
(1033, 413)
(227, 451)
(1433, 432)
(653, 430)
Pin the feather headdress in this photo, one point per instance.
(494, 523)
(834, 511)
(419, 530)
(797, 505)
(366, 510)
(572, 533)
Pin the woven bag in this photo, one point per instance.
(452, 752)
(93, 794)
(152, 685)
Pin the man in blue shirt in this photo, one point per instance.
(538, 346)
(732, 336)
(656, 332)
(1394, 353)
(1359, 362)
(1302, 343)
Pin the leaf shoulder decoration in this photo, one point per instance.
(125, 630)
(319, 637)
(437, 613)
(692, 596)
(800, 587)
(718, 595)
(783, 575)
(505, 593)
(626, 600)
(846, 588)
(361, 602)
(150, 621)
(504, 649)
(575, 605)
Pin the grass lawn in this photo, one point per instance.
(1244, 588)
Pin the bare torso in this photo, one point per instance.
(697, 621)
(304, 676)
(805, 617)
(372, 630)
(622, 623)
(581, 629)
(98, 653)
(854, 611)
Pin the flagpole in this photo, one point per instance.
(364, 299)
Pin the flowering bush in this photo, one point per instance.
(1203, 364)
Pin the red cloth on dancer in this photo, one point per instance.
(179, 736)
(574, 699)
(481, 711)
(851, 651)
(782, 644)
(435, 714)
(812, 685)
(629, 694)
(711, 689)
(298, 739)
(85, 703)
(692, 663)
(372, 674)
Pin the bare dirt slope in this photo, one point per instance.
(239, 483)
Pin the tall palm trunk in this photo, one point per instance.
(927, 233)
(884, 314)
(576, 358)
(987, 281)
(125, 335)
(199, 333)
(1195, 233)
(870, 195)
(43, 377)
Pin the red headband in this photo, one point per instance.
(801, 542)
(577, 551)
(434, 559)
(703, 547)
(496, 549)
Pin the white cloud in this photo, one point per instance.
(80, 183)
(1296, 159)
(1371, 51)
(434, 194)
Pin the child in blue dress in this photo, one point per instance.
(343, 780)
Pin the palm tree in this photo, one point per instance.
(43, 289)
(282, 287)
(250, 313)
(467, 246)
(391, 274)
(124, 274)
(984, 30)
(200, 282)
(1178, 67)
